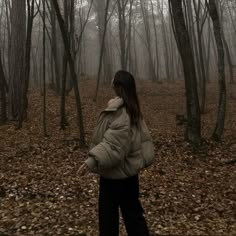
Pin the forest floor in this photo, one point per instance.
(186, 191)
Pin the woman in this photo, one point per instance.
(121, 147)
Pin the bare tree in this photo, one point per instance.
(102, 47)
(72, 71)
(148, 39)
(105, 44)
(124, 30)
(80, 42)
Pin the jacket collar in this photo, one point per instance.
(114, 104)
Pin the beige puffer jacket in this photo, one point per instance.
(119, 151)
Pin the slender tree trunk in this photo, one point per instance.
(102, 48)
(80, 40)
(193, 131)
(214, 47)
(156, 43)
(233, 34)
(25, 82)
(64, 73)
(165, 40)
(200, 21)
(148, 40)
(173, 57)
(8, 12)
(71, 32)
(44, 73)
(54, 49)
(3, 91)
(128, 54)
(107, 62)
(135, 54)
(193, 38)
(221, 70)
(72, 71)
(208, 56)
(122, 31)
(229, 59)
(17, 58)
(226, 47)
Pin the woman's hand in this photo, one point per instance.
(83, 170)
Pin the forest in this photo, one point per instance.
(57, 62)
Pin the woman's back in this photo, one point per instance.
(119, 148)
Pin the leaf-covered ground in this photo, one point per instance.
(186, 191)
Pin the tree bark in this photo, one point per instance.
(219, 128)
(226, 47)
(54, 49)
(193, 129)
(17, 58)
(72, 71)
(149, 41)
(25, 82)
(64, 71)
(3, 91)
(44, 73)
(122, 32)
(156, 44)
(101, 18)
(165, 41)
(200, 21)
(102, 48)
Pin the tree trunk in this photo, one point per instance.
(54, 49)
(8, 9)
(17, 58)
(208, 54)
(226, 47)
(3, 91)
(221, 70)
(148, 39)
(64, 71)
(165, 41)
(101, 18)
(44, 73)
(156, 44)
(25, 82)
(71, 32)
(200, 21)
(102, 48)
(122, 31)
(193, 38)
(193, 129)
(72, 71)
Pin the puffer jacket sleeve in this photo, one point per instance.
(147, 147)
(114, 146)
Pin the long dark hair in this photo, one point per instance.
(124, 86)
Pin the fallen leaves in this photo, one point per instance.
(186, 191)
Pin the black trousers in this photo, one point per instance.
(123, 194)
